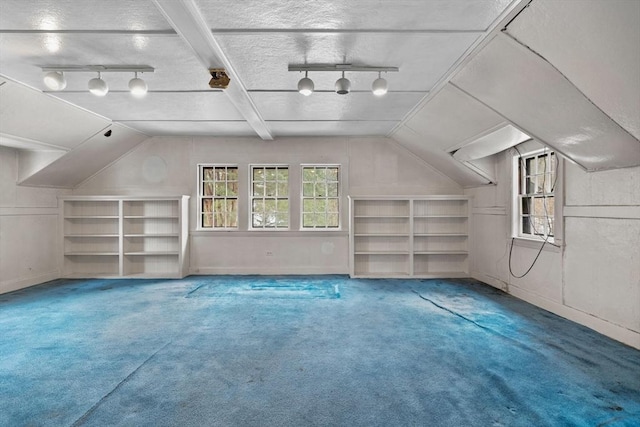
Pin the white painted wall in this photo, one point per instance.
(28, 229)
(595, 278)
(168, 166)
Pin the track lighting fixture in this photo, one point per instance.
(343, 85)
(305, 85)
(137, 86)
(379, 86)
(97, 86)
(54, 78)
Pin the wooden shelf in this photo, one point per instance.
(144, 253)
(91, 253)
(122, 236)
(409, 236)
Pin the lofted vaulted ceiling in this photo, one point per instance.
(564, 72)
(256, 40)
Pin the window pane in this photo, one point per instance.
(550, 206)
(232, 174)
(538, 206)
(282, 205)
(221, 174)
(207, 205)
(321, 174)
(207, 220)
(221, 189)
(270, 189)
(332, 174)
(531, 185)
(270, 205)
(308, 205)
(332, 189)
(333, 205)
(526, 225)
(530, 166)
(258, 174)
(207, 174)
(256, 220)
(332, 220)
(283, 189)
(526, 205)
(232, 189)
(258, 188)
(258, 206)
(321, 189)
(270, 174)
(321, 205)
(308, 174)
(308, 220)
(307, 189)
(542, 164)
(283, 174)
(208, 189)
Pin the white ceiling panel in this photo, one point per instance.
(605, 69)
(537, 98)
(330, 106)
(192, 128)
(452, 117)
(262, 59)
(88, 158)
(330, 128)
(122, 106)
(81, 15)
(353, 14)
(27, 113)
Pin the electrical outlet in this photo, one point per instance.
(269, 253)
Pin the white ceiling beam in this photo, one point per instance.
(185, 17)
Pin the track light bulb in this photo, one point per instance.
(305, 85)
(98, 87)
(55, 80)
(379, 86)
(343, 85)
(137, 87)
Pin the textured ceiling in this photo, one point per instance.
(258, 40)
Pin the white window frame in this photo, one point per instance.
(201, 196)
(251, 197)
(302, 197)
(517, 214)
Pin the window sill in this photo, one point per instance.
(536, 244)
(269, 233)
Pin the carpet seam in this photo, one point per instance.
(87, 414)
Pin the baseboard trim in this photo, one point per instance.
(241, 271)
(15, 285)
(616, 332)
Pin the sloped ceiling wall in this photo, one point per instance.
(60, 145)
(566, 73)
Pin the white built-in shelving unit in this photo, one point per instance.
(423, 237)
(109, 236)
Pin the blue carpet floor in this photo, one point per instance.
(303, 351)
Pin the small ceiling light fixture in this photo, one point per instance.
(55, 80)
(137, 86)
(379, 86)
(305, 85)
(97, 86)
(343, 85)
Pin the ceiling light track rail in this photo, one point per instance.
(340, 68)
(99, 68)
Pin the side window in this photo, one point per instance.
(536, 181)
(218, 196)
(320, 197)
(269, 197)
